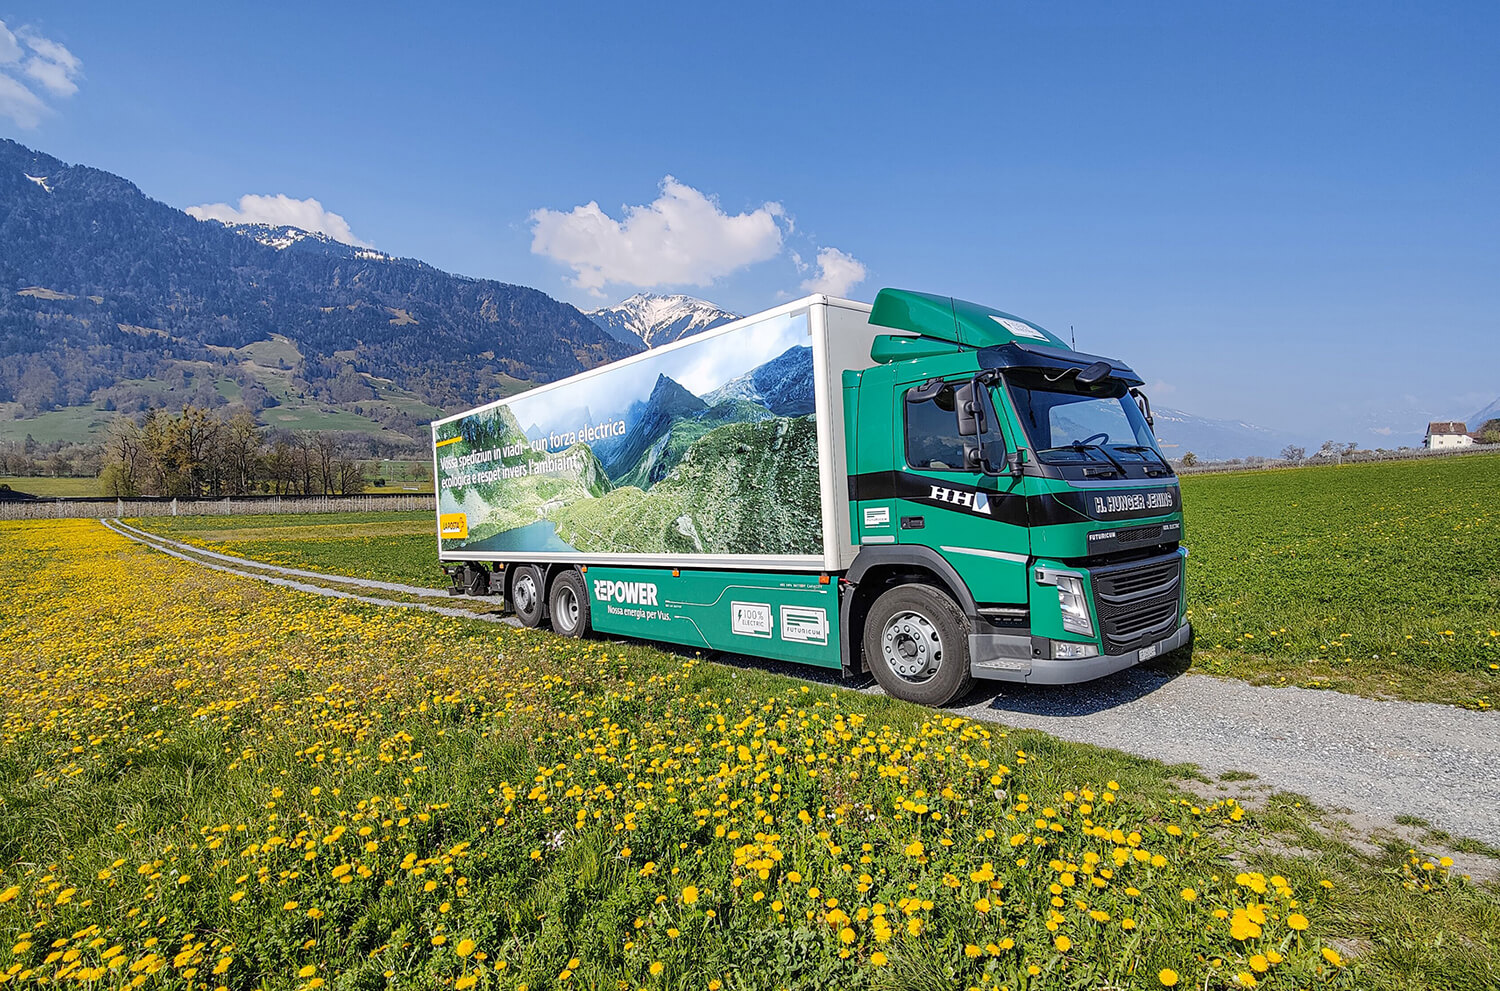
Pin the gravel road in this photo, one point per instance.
(1380, 759)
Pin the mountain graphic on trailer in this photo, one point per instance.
(661, 430)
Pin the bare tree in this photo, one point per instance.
(124, 459)
(326, 448)
(350, 479)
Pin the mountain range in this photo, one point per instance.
(1178, 432)
(114, 302)
(110, 300)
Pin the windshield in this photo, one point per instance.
(1066, 426)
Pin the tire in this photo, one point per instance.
(526, 596)
(916, 644)
(569, 605)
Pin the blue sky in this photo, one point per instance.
(1285, 213)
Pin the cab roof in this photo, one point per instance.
(1008, 341)
(956, 320)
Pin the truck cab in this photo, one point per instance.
(1014, 517)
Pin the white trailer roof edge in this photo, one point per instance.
(790, 307)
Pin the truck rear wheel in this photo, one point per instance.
(569, 605)
(917, 645)
(526, 596)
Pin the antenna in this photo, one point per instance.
(1073, 337)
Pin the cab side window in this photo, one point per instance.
(932, 438)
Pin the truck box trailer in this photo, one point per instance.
(927, 489)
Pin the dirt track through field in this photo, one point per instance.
(1379, 759)
(241, 566)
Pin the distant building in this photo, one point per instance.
(1442, 434)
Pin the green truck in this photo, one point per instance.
(926, 489)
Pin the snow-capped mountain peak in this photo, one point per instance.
(656, 320)
(281, 237)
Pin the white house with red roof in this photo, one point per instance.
(1443, 434)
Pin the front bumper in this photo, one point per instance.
(1010, 658)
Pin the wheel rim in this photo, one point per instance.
(524, 593)
(912, 647)
(566, 608)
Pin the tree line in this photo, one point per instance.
(198, 452)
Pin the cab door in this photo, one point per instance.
(977, 522)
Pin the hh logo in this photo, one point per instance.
(636, 593)
(976, 502)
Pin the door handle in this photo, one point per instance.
(913, 522)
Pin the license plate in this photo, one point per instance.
(1148, 652)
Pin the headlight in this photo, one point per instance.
(1074, 606)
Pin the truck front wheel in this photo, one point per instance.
(917, 645)
(526, 596)
(569, 605)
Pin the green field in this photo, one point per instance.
(392, 547)
(1383, 579)
(44, 486)
(208, 781)
(1379, 579)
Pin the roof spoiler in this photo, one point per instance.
(1018, 354)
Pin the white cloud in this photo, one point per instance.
(837, 272)
(682, 238)
(48, 70)
(280, 210)
(20, 104)
(10, 49)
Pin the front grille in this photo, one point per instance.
(1138, 603)
(1137, 534)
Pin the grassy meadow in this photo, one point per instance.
(64, 487)
(1381, 579)
(211, 782)
(1378, 579)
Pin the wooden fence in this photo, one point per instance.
(57, 509)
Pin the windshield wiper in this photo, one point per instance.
(1096, 447)
(1145, 448)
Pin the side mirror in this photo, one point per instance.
(1015, 462)
(1145, 407)
(967, 411)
